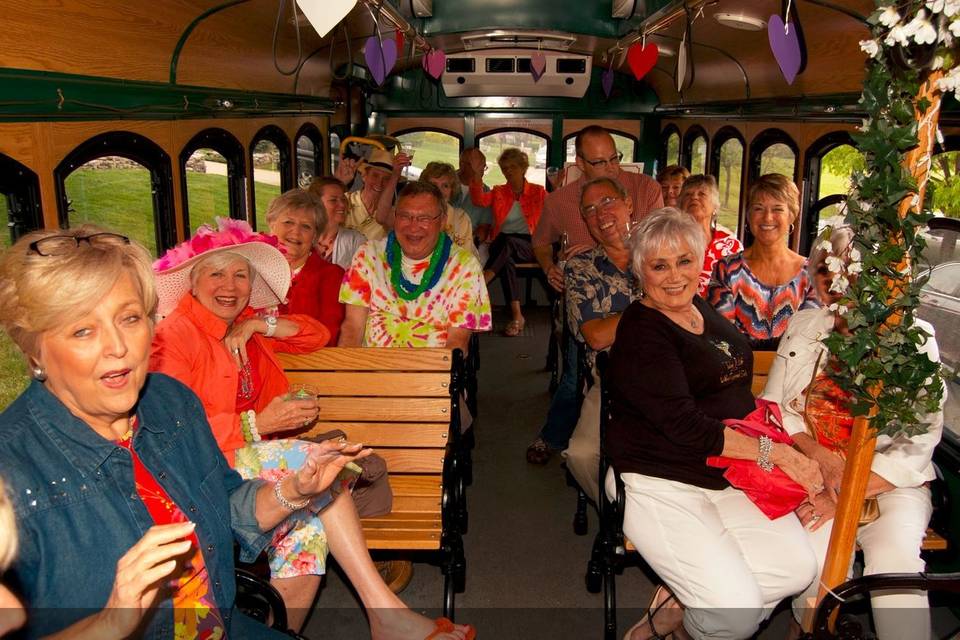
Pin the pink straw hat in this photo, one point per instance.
(264, 253)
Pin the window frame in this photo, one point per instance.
(686, 146)
(276, 135)
(720, 138)
(313, 133)
(228, 146)
(21, 186)
(812, 205)
(139, 149)
(478, 138)
(665, 134)
(760, 143)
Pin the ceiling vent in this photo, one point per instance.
(519, 39)
(506, 72)
(422, 8)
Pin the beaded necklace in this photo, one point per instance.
(406, 289)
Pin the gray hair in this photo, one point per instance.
(218, 260)
(8, 530)
(840, 239)
(604, 180)
(665, 228)
(299, 200)
(699, 180)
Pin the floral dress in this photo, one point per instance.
(459, 299)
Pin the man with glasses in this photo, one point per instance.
(597, 157)
(480, 217)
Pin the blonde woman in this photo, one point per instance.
(12, 615)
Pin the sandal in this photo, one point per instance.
(539, 452)
(444, 625)
(514, 328)
(652, 610)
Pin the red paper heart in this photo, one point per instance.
(642, 58)
(398, 36)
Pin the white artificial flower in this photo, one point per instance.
(951, 81)
(834, 264)
(870, 47)
(840, 283)
(825, 246)
(854, 254)
(898, 35)
(935, 6)
(889, 17)
(951, 8)
(921, 29)
(854, 268)
(937, 63)
(955, 28)
(835, 221)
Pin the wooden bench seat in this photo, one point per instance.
(405, 404)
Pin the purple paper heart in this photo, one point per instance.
(380, 60)
(606, 81)
(785, 47)
(538, 64)
(434, 63)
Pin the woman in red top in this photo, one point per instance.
(516, 207)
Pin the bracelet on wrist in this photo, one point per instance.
(248, 426)
(286, 504)
(763, 459)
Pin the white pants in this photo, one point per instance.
(891, 544)
(583, 452)
(724, 560)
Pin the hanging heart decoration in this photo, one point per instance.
(398, 36)
(606, 81)
(642, 58)
(538, 65)
(681, 75)
(434, 63)
(380, 59)
(786, 47)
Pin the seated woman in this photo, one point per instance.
(677, 369)
(516, 207)
(671, 182)
(296, 219)
(109, 466)
(215, 343)
(816, 414)
(335, 243)
(700, 198)
(12, 615)
(444, 177)
(759, 288)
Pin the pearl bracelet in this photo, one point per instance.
(286, 504)
(763, 460)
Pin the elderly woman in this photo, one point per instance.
(11, 610)
(296, 219)
(516, 207)
(110, 466)
(444, 177)
(816, 413)
(214, 342)
(677, 369)
(335, 243)
(759, 288)
(700, 198)
(671, 182)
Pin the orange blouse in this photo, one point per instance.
(501, 199)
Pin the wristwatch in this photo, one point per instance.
(271, 325)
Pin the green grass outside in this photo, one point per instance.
(4, 219)
(14, 378)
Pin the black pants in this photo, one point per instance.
(506, 251)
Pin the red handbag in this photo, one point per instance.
(773, 492)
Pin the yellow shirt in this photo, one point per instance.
(362, 220)
(460, 229)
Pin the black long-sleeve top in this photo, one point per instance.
(670, 389)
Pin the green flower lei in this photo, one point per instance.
(406, 289)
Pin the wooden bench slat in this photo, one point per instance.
(386, 434)
(402, 540)
(413, 460)
(375, 383)
(416, 485)
(384, 409)
(369, 359)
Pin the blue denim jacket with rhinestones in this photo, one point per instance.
(78, 511)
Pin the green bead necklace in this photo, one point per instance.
(406, 289)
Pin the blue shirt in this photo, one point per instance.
(78, 510)
(515, 222)
(477, 215)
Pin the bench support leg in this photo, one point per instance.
(454, 568)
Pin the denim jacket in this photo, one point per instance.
(78, 510)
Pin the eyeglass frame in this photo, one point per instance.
(616, 159)
(421, 220)
(605, 202)
(35, 245)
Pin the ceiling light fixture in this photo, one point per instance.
(739, 21)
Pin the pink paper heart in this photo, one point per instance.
(434, 63)
(606, 81)
(538, 64)
(785, 47)
(380, 60)
(642, 59)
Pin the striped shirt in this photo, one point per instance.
(561, 209)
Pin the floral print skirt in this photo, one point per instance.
(299, 544)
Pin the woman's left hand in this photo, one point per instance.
(816, 513)
(801, 469)
(236, 339)
(322, 465)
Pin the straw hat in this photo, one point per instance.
(379, 159)
(269, 287)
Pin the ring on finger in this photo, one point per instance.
(236, 350)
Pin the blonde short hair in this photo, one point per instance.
(513, 157)
(299, 200)
(39, 293)
(778, 187)
(8, 530)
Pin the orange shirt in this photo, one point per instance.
(187, 346)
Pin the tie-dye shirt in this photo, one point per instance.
(459, 299)
(759, 311)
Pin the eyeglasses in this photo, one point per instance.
(605, 203)
(407, 218)
(602, 164)
(59, 245)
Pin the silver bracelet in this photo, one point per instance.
(286, 504)
(763, 460)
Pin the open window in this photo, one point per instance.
(830, 163)
(535, 145)
(309, 150)
(726, 163)
(212, 178)
(120, 181)
(429, 145)
(670, 151)
(270, 159)
(772, 151)
(695, 150)
(19, 201)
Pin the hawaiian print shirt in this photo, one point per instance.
(722, 244)
(595, 289)
(459, 299)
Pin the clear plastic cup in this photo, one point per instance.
(302, 391)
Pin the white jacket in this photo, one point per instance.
(901, 461)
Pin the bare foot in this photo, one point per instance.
(667, 615)
(404, 624)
